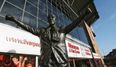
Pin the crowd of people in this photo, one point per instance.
(16, 61)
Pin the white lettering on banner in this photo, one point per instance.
(13, 40)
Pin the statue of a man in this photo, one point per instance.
(53, 48)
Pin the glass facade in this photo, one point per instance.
(35, 12)
(79, 33)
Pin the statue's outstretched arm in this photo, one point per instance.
(24, 26)
(75, 23)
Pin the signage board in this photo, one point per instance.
(14, 40)
(77, 50)
(86, 53)
(73, 49)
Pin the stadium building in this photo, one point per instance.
(35, 13)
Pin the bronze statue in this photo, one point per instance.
(53, 48)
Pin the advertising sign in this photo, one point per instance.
(13, 40)
(86, 53)
(73, 49)
(77, 50)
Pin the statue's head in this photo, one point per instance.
(51, 19)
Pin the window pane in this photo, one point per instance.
(49, 8)
(34, 2)
(42, 23)
(82, 35)
(55, 10)
(30, 20)
(8, 9)
(1, 1)
(61, 19)
(58, 17)
(42, 11)
(31, 9)
(66, 20)
(79, 34)
(42, 7)
(43, 1)
(19, 3)
(75, 33)
(42, 16)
